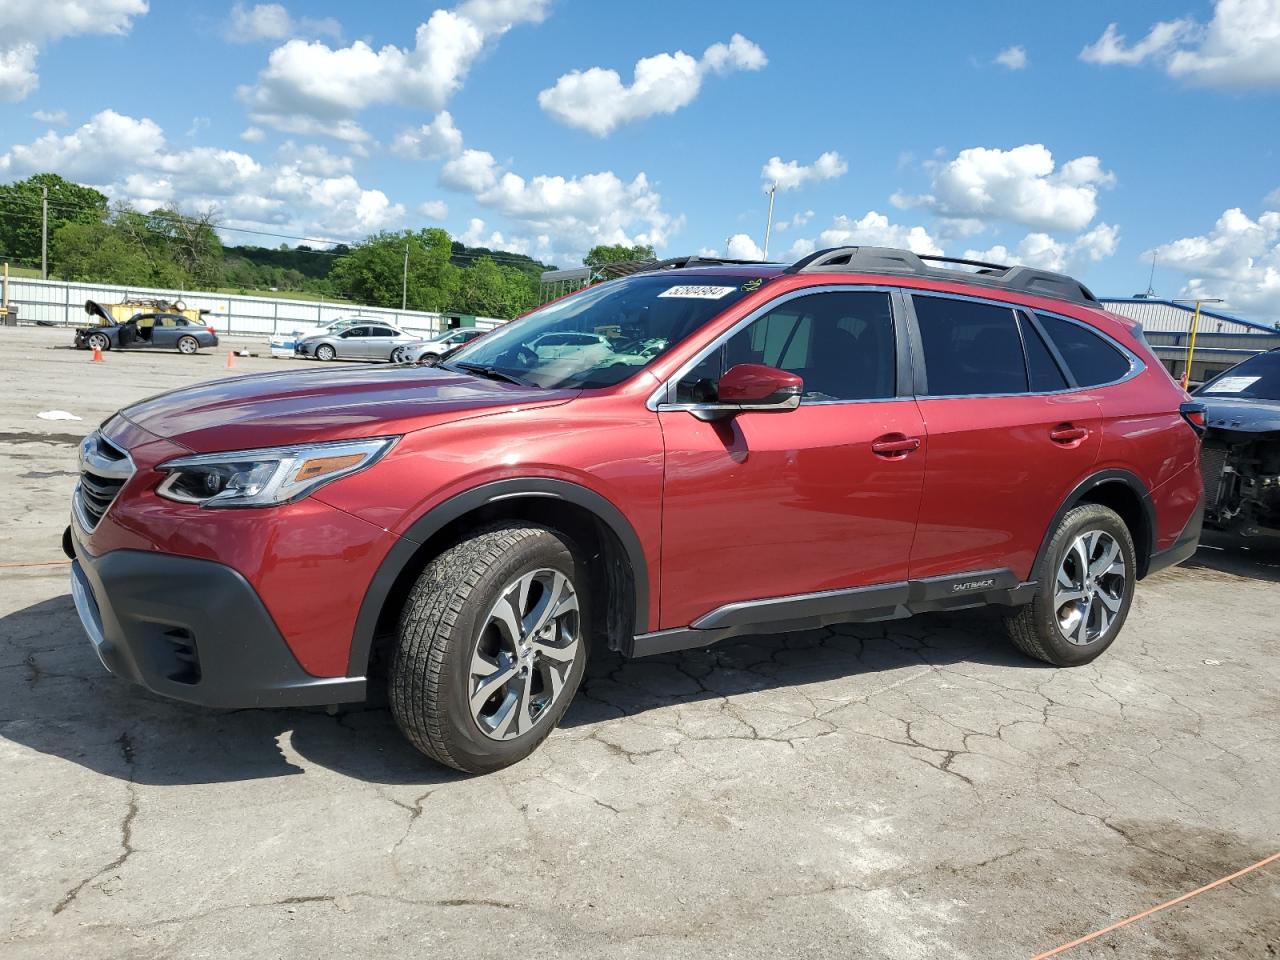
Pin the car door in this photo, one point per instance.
(164, 334)
(354, 343)
(382, 340)
(1008, 437)
(822, 497)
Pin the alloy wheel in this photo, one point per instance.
(1090, 587)
(524, 653)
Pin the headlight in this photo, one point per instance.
(265, 478)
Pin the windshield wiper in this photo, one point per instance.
(480, 370)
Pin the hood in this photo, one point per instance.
(1240, 414)
(303, 406)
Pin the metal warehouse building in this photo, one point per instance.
(1222, 340)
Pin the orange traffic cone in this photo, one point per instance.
(231, 359)
(97, 354)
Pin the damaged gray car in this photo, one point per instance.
(1240, 456)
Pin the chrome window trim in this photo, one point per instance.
(1136, 366)
(657, 404)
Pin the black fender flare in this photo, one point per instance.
(435, 519)
(1092, 482)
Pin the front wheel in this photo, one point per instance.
(188, 345)
(99, 341)
(491, 648)
(325, 352)
(429, 359)
(1086, 582)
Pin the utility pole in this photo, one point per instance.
(404, 283)
(44, 233)
(768, 226)
(1195, 328)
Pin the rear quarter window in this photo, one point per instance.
(1092, 360)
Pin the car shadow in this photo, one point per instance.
(1222, 553)
(57, 699)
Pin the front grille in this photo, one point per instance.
(1213, 459)
(104, 469)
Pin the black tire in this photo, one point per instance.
(325, 352)
(1035, 628)
(441, 623)
(188, 345)
(429, 359)
(99, 340)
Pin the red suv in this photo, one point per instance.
(731, 448)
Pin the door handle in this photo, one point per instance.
(894, 445)
(1067, 433)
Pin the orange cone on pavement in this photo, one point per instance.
(231, 359)
(97, 354)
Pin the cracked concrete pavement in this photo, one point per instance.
(913, 789)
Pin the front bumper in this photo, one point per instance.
(194, 630)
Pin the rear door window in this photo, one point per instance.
(970, 349)
(1092, 360)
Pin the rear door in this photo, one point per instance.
(382, 340)
(165, 332)
(1009, 437)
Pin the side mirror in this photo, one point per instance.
(751, 387)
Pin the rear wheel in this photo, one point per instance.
(1086, 583)
(325, 352)
(491, 648)
(188, 345)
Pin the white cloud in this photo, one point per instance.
(306, 191)
(1018, 185)
(789, 174)
(434, 209)
(56, 117)
(1015, 58)
(475, 237)
(253, 135)
(1238, 48)
(1111, 48)
(1238, 260)
(875, 229)
(597, 101)
(799, 220)
(439, 138)
(271, 21)
(27, 25)
(1043, 251)
(311, 88)
(742, 247)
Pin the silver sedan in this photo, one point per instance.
(374, 341)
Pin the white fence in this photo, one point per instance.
(60, 302)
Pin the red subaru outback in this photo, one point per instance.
(652, 464)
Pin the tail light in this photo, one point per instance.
(1193, 413)
(211, 330)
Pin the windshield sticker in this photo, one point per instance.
(751, 286)
(1232, 385)
(691, 292)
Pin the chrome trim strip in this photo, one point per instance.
(87, 609)
(91, 460)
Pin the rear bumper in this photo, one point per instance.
(193, 630)
(1182, 549)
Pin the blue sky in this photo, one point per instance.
(1085, 147)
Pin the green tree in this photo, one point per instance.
(373, 270)
(489, 290)
(20, 212)
(599, 255)
(98, 253)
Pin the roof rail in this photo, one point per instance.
(1029, 280)
(698, 260)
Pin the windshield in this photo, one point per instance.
(1258, 378)
(604, 334)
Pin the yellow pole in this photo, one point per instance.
(1191, 346)
(4, 300)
